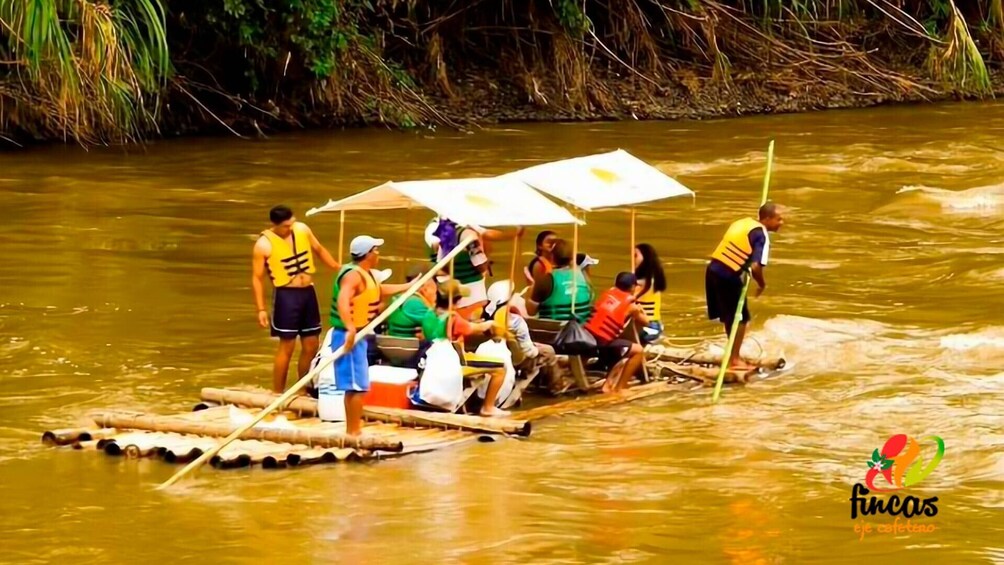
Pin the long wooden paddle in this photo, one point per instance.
(742, 295)
(291, 392)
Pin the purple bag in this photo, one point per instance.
(446, 231)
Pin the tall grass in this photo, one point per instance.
(87, 70)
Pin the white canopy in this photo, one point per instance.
(493, 201)
(604, 180)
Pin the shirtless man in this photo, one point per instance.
(286, 252)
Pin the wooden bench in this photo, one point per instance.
(546, 331)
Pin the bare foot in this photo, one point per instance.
(741, 367)
(494, 413)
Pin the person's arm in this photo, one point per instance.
(258, 259)
(320, 250)
(758, 258)
(346, 292)
(497, 235)
(756, 269)
(392, 289)
(639, 315)
(542, 287)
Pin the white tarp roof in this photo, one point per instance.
(604, 180)
(492, 201)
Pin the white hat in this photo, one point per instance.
(362, 244)
(583, 261)
(499, 293)
(381, 275)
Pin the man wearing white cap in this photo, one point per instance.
(355, 301)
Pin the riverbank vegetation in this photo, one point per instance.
(100, 71)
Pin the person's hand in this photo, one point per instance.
(520, 231)
(263, 318)
(350, 339)
(759, 291)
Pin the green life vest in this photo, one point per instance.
(434, 325)
(558, 305)
(463, 269)
(365, 306)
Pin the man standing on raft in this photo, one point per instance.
(746, 245)
(355, 302)
(286, 251)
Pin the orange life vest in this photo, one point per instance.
(612, 311)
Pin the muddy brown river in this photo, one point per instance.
(126, 284)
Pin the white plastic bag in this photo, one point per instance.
(442, 382)
(498, 349)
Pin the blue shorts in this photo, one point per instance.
(352, 370)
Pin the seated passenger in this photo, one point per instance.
(614, 309)
(441, 323)
(564, 293)
(406, 321)
(542, 262)
(537, 357)
(651, 284)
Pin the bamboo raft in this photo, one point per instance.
(296, 436)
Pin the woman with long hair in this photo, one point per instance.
(648, 293)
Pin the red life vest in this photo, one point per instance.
(612, 311)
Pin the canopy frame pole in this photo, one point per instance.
(323, 364)
(341, 235)
(512, 286)
(407, 239)
(575, 266)
(742, 295)
(631, 252)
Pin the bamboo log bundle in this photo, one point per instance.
(319, 438)
(688, 356)
(709, 375)
(410, 418)
(70, 436)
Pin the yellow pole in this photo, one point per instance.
(293, 390)
(631, 253)
(341, 235)
(742, 295)
(575, 266)
(512, 283)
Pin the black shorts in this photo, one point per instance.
(723, 297)
(612, 352)
(295, 313)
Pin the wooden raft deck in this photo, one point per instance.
(415, 431)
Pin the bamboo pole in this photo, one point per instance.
(742, 295)
(631, 253)
(292, 391)
(296, 436)
(512, 287)
(410, 418)
(575, 267)
(341, 235)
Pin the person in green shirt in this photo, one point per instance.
(406, 321)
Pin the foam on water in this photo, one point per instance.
(979, 199)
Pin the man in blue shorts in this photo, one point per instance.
(355, 302)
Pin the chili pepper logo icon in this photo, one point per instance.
(900, 464)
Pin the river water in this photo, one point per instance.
(126, 284)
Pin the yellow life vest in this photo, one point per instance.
(651, 304)
(734, 250)
(365, 305)
(285, 262)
